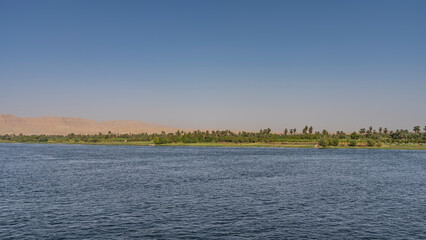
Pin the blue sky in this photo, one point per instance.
(339, 65)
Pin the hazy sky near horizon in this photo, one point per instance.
(339, 65)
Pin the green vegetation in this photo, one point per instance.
(371, 143)
(352, 143)
(365, 138)
(323, 142)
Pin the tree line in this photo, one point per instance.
(369, 136)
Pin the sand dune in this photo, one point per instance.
(10, 124)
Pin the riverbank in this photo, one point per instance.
(242, 145)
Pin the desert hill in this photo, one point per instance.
(10, 124)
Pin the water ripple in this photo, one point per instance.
(129, 192)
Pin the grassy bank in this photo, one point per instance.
(243, 145)
(298, 145)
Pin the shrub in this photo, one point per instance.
(352, 143)
(354, 135)
(43, 139)
(334, 142)
(323, 142)
(161, 140)
(371, 143)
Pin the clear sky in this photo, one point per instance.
(339, 65)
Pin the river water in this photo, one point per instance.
(122, 192)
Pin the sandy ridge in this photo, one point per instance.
(10, 124)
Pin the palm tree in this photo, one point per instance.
(305, 130)
(362, 131)
(266, 131)
(385, 131)
(416, 129)
(380, 130)
(286, 131)
(311, 129)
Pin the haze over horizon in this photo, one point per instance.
(336, 65)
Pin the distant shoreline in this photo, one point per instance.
(367, 138)
(237, 145)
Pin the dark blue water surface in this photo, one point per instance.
(121, 192)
